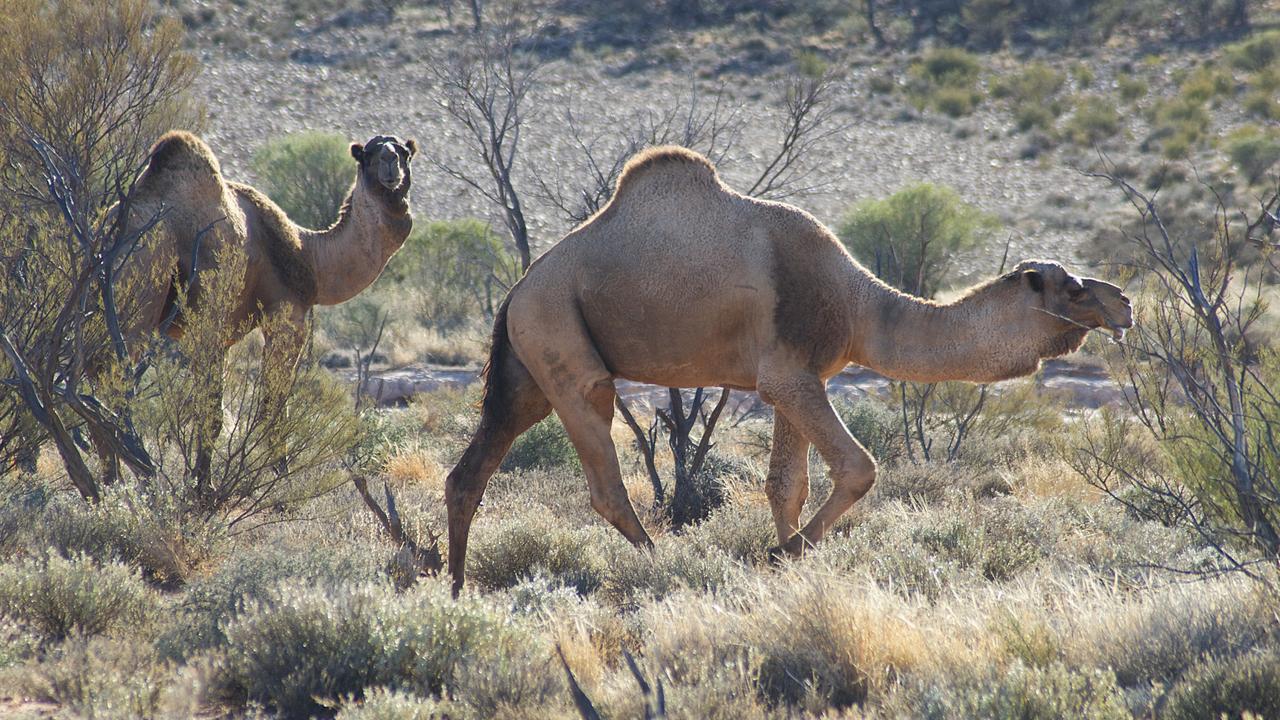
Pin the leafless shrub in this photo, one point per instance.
(483, 84)
(1197, 383)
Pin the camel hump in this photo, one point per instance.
(180, 151)
(182, 161)
(671, 163)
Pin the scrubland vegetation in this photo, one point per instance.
(1016, 558)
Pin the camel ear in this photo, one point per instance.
(1035, 280)
(413, 147)
(357, 152)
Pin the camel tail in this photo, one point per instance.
(496, 400)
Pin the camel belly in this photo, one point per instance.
(685, 341)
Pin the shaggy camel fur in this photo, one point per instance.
(680, 281)
(288, 269)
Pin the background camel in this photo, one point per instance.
(288, 268)
(682, 282)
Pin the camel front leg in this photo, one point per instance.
(801, 397)
(282, 347)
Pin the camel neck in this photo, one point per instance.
(910, 338)
(350, 254)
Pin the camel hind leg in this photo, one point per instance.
(513, 403)
(580, 388)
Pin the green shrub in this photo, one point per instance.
(1095, 120)
(1083, 75)
(874, 424)
(743, 532)
(458, 269)
(911, 239)
(948, 67)
(945, 79)
(1179, 125)
(955, 102)
(308, 174)
(129, 525)
(1228, 688)
(17, 642)
(1028, 693)
(1254, 151)
(58, 597)
(1256, 54)
(635, 575)
(106, 678)
(1131, 88)
(545, 445)
(1031, 116)
(306, 643)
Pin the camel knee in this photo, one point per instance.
(855, 480)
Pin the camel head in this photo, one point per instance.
(1067, 306)
(384, 164)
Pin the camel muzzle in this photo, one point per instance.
(1115, 309)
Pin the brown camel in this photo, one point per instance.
(680, 281)
(288, 268)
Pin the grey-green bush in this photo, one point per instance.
(520, 548)
(1028, 693)
(209, 604)
(1228, 688)
(57, 596)
(304, 643)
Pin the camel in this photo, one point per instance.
(289, 269)
(680, 281)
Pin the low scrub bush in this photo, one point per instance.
(825, 640)
(635, 576)
(1179, 125)
(1243, 686)
(1254, 151)
(1094, 121)
(459, 271)
(1167, 633)
(516, 549)
(209, 604)
(384, 704)
(304, 644)
(128, 525)
(946, 79)
(1029, 693)
(1260, 52)
(58, 597)
(109, 678)
(912, 238)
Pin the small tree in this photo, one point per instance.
(88, 85)
(912, 238)
(1199, 383)
(307, 174)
